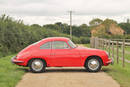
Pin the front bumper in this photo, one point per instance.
(110, 61)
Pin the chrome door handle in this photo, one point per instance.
(52, 53)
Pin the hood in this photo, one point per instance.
(84, 51)
(89, 50)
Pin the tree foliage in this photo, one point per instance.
(126, 27)
(15, 35)
(95, 22)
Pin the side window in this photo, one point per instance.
(46, 45)
(59, 45)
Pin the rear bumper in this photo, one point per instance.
(14, 60)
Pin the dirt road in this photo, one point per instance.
(67, 77)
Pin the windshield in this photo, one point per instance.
(71, 44)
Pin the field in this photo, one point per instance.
(120, 74)
(10, 74)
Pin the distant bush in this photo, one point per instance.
(127, 36)
(85, 40)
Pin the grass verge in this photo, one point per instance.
(10, 74)
(120, 74)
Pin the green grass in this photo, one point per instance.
(127, 48)
(10, 74)
(87, 45)
(120, 74)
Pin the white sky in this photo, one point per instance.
(51, 11)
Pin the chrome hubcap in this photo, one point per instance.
(37, 65)
(93, 64)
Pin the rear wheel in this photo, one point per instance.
(93, 64)
(37, 65)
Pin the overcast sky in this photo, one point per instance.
(51, 11)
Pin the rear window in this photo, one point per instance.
(46, 45)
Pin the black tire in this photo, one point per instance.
(41, 69)
(97, 69)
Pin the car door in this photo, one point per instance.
(45, 51)
(63, 55)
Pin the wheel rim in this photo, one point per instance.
(93, 64)
(37, 65)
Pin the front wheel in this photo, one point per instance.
(93, 64)
(37, 65)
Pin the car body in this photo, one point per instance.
(59, 52)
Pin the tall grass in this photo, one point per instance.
(10, 74)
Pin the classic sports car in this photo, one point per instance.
(60, 52)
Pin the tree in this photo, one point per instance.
(85, 30)
(125, 27)
(36, 26)
(95, 22)
(109, 21)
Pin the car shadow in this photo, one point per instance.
(106, 70)
(65, 70)
(51, 70)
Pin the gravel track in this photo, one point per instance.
(67, 77)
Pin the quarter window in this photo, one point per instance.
(71, 44)
(46, 45)
(59, 45)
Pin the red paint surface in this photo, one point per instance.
(72, 57)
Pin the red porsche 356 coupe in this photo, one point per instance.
(60, 52)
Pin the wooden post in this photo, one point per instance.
(123, 53)
(106, 44)
(109, 47)
(117, 52)
(92, 42)
(99, 43)
(95, 42)
(103, 44)
(113, 50)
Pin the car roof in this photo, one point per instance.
(56, 38)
